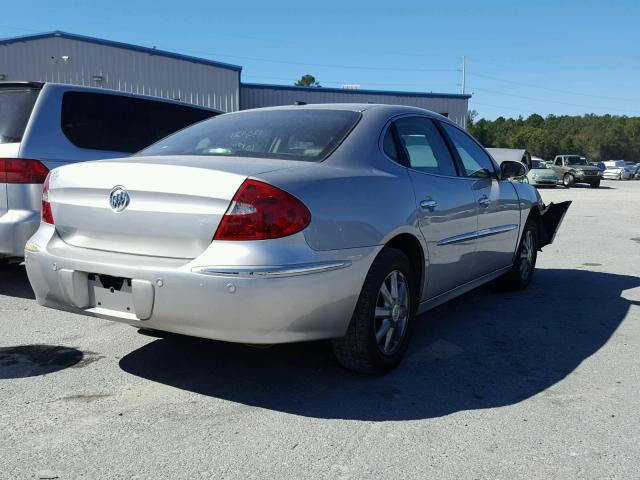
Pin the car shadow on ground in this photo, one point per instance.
(487, 349)
(14, 282)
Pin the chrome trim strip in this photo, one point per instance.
(477, 234)
(271, 272)
(495, 230)
(458, 238)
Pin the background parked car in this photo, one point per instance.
(540, 174)
(618, 170)
(572, 169)
(599, 165)
(45, 125)
(633, 168)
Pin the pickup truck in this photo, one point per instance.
(571, 169)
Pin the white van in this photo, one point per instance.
(45, 125)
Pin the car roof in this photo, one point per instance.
(352, 107)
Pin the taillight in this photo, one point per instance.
(260, 211)
(22, 170)
(47, 214)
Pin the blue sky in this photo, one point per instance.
(547, 57)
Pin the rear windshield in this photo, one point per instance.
(15, 109)
(309, 135)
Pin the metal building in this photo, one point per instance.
(79, 60)
(253, 95)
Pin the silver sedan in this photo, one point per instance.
(288, 224)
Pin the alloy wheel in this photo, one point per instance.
(392, 313)
(526, 255)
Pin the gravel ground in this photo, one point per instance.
(537, 384)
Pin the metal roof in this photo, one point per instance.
(126, 46)
(266, 86)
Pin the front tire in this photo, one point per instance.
(567, 180)
(521, 273)
(595, 184)
(381, 326)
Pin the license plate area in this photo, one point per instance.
(111, 293)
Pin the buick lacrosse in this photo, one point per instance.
(288, 224)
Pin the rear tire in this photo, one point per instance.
(380, 329)
(567, 180)
(521, 273)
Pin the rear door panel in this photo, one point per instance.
(449, 229)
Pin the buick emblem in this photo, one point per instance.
(119, 199)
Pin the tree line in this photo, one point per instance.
(597, 137)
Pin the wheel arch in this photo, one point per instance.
(412, 248)
(535, 216)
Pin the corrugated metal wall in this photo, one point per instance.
(255, 96)
(122, 69)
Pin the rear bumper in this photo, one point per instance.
(16, 226)
(271, 302)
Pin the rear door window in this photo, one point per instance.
(15, 109)
(122, 124)
(424, 147)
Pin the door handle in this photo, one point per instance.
(428, 204)
(484, 201)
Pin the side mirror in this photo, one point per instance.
(512, 170)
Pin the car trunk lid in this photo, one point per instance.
(174, 203)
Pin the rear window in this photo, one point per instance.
(309, 135)
(122, 124)
(15, 109)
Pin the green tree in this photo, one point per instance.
(598, 137)
(307, 81)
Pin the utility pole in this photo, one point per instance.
(464, 72)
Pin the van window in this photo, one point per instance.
(15, 109)
(122, 124)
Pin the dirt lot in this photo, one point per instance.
(538, 384)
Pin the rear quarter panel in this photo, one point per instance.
(351, 207)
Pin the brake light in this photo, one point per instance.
(22, 170)
(260, 211)
(47, 213)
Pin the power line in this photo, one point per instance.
(557, 90)
(327, 65)
(545, 100)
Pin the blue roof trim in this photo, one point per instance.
(126, 46)
(266, 86)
